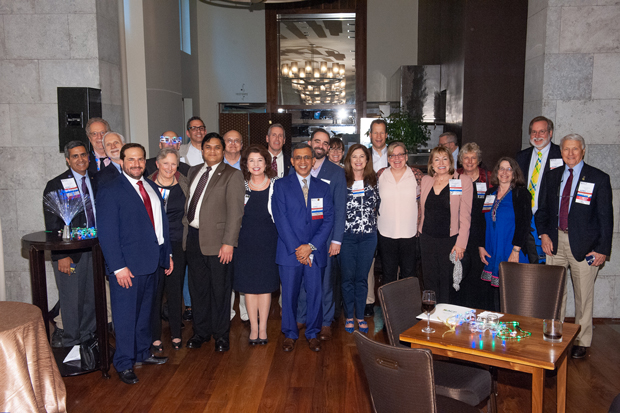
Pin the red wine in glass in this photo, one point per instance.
(428, 305)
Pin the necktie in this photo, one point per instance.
(534, 179)
(88, 202)
(274, 165)
(147, 202)
(566, 201)
(305, 190)
(191, 211)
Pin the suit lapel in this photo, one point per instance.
(134, 197)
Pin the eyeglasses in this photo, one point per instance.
(233, 141)
(97, 133)
(170, 139)
(505, 169)
(197, 128)
(337, 150)
(305, 158)
(397, 156)
(539, 132)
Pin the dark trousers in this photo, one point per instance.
(210, 285)
(131, 313)
(356, 256)
(473, 292)
(437, 268)
(292, 279)
(397, 253)
(173, 286)
(76, 293)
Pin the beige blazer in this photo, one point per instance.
(221, 211)
(460, 208)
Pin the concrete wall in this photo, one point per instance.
(44, 45)
(572, 76)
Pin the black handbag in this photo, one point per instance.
(89, 354)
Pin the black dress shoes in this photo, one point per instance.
(128, 376)
(578, 352)
(369, 310)
(222, 345)
(187, 314)
(57, 337)
(196, 341)
(151, 360)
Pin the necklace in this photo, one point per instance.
(258, 186)
(161, 184)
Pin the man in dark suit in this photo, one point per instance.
(535, 162)
(333, 175)
(280, 162)
(74, 271)
(133, 234)
(112, 143)
(95, 129)
(575, 221)
(304, 216)
(168, 139)
(213, 213)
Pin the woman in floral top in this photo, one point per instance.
(360, 234)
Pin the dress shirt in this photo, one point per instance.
(279, 162)
(155, 204)
(317, 169)
(398, 211)
(118, 167)
(307, 178)
(78, 180)
(379, 161)
(196, 222)
(194, 156)
(528, 175)
(236, 165)
(455, 157)
(576, 172)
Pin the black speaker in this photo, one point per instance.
(75, 106)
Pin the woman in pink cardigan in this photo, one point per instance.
(445, 206)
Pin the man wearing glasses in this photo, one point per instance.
(449, 141)
(168, 139)
(535, 162)
(95, 129)
(191, 152)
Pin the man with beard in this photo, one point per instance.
(112, 143)
(191, 152)
(333, 175)
(534, 162)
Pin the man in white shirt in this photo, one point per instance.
(449, 141)
(191, 152)
(280, 162)
(378, 137)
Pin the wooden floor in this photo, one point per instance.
(265, 379)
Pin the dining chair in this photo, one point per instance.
(402, 379)
(531, 290)
(401, 302)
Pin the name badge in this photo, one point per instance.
(358, 188)
(316, 205)
(456, 188)
(555, 163)
(246, 199)
(488, 203)
(327, 181)
(584, 193)
(71, 189)
(481, 189)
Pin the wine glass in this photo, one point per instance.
(428, 305)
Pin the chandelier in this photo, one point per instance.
(316, 82)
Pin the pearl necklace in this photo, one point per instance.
(259, 186)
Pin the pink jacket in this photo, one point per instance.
(460, 208)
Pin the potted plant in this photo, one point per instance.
(402, 126)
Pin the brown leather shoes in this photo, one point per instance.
(314, 344)
(288, 344)
(326, 333)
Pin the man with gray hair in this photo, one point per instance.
(112, 144)
(95, 129)
(575, 222)
(449, 141)
(280, 162)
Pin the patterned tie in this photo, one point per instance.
(566, 201)
(274, 165)
(90, 217)
(147, 202)
(534, 180)
(305, 190)
(191, 211)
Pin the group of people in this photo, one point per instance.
(212, 217)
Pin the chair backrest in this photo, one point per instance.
(401, 302)
(531, 290)
(400, 379)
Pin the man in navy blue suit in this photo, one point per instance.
(133, 234)
(304, 216)
(333, 175)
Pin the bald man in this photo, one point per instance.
(234, 145)
(168, 139)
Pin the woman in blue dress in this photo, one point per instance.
(508, 213)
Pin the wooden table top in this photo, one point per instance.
(530, 351)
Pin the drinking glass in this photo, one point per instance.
(428, 305)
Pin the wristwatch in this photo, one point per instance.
(312, 247)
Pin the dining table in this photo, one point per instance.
(521, 352)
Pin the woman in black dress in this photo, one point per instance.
(173, 187)
(256, 272)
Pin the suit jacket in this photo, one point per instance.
(125, 231)
(294, 221)
(460, 208)
(54, 223)
(524, 157)
(221, 211)
(338, 188)
(590, 227)
(92, 165)
(288, 167)
(106, 175)
(151, 167)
